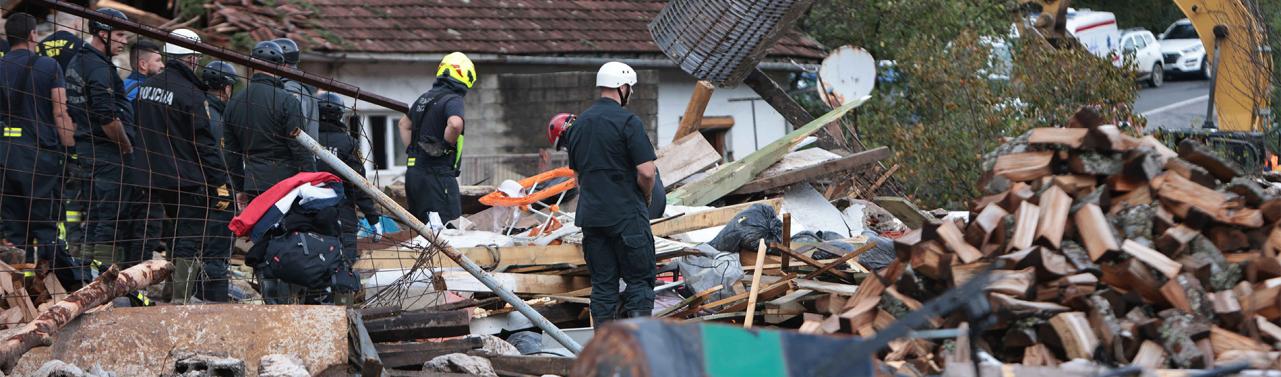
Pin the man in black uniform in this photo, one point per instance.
(219, 78)
(558, 132)
(335, 136)
(173, 118)
(614, 161)
(306, 94)
(62, 45)
(104, 134)
(258, 122)
(433, 137)
(36, 133)
(260, 151)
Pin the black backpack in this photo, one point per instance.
(305, 258)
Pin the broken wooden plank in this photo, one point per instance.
(904, 210)
(528, 365)
(825, 287)
(827, 168)
(415, 354)
(842, 260)
(756, 286)
(507, 256)
(736, 174)
(413, 325)
(686, 156)
(694, 109)
(810, 261)
(461, 281)
(706, 219)
(1023, 167)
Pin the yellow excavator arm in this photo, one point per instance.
(1242, 88)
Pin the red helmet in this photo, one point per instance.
(557, 127)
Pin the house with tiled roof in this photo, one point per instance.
(534, 58)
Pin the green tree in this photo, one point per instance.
(945, 110)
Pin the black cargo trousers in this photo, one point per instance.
(624, 250)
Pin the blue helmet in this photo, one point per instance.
(219, 74)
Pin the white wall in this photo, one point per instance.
(674, 94)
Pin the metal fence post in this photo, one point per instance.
(413, 223)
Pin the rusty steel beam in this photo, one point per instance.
(326, 83)
(111, 284)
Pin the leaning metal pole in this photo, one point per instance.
(467, 264)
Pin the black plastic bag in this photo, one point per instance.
(748, 228)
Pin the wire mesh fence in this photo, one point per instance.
(113, 154)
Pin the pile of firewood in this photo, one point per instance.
(1108, 248)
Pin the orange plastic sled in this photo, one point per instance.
(500, 199)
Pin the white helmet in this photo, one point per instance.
(614, 75)
(173, 49)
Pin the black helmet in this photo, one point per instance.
(268, 51)
(96, 26)
(290, 48)
(219, 74)
(331, 106)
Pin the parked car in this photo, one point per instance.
(1182, 50)
(1140, 48)
(1096, 30)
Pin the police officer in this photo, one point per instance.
(104, 133)
(36, 133)
(614, 162)
(172, 113)
(259, 149)
(433, 136)
(305, 93)
(336, 137)
(219, 78)
(62, 45)
(145, 59)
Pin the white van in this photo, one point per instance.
(1096, 30)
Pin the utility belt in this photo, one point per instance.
(437, 156)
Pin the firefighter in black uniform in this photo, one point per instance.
(104, 134)
(36, 133)
(433, 137)
(614, 161)
(219, 78)
(172, 112)
(306, 94)
(335, 136)
(62, 45)
(259, 149)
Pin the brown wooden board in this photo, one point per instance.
(684, 157)
(817, 171)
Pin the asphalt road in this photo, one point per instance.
(1180, 103)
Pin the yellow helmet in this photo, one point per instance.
(458, 66)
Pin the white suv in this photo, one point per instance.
(1182, 50)
(1139, 47)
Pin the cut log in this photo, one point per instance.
(1038, 355)
(1085, 117)
(1074, 332)
(1182, 197)
(1197, 153)
(1159, 147)
(1013, 283)
(1179, 333)
(111, 284)
(843, 164)
(1222, 340)
(1107, 138)
(954, 241)
(1228, 239)
(1227, 308)
(1190, 171)
(1175, 240)
(1096, 231)
(1268, 329)
(1138, 197)
(1070, 137)
(684, 157)
(1151, 356)
(1025, 226)
(1152, 258)
(981, 228)
(1095, 163)
(1143, 165)
(1055, 205)
(1023, 308)
(1076, 184)
(929, 258)
(1023, 167)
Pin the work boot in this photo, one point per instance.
(186, 273)
(103, 256)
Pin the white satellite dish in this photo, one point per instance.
(847, 75)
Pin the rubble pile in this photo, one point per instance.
(1101, 246)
